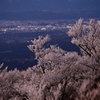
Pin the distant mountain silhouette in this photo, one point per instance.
(47, 15)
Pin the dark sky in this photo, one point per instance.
(63, 5)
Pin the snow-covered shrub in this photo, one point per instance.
(7, 83)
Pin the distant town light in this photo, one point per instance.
(48, 26)
(43, 29)
(18, 26)
(68, 26)
(4, 30)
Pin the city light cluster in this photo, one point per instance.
(33, 26)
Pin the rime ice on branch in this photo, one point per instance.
(86, 35)
(52, 57)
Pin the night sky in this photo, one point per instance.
(58, 5)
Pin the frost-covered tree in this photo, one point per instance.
(60, 69)
(51, 57)
(86, 35)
